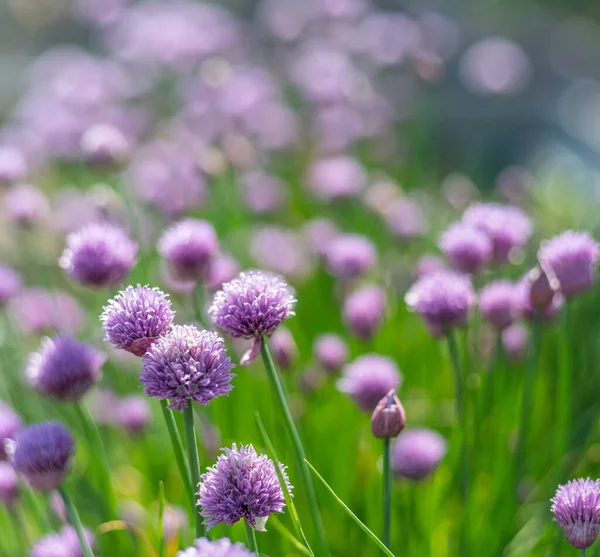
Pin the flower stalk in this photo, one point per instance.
(193, 459)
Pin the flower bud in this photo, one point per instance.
(388, 418)
(542, 287)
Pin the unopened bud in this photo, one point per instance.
(543, 285)
(388, 418)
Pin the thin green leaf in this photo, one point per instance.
(289, 536)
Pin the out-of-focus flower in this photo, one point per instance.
(42, 454)
(10, 425)
(102, 403)
(9, 485)
(388, 418)
(318, 234)
(368, 379)
(241, 485)
(136, 318)
(284, 349)
(219, 548)
(189, 247)
(363, 311)
(417, 453)
(187, 365)
(458, 190)
(311, 380)
(576, 509)
(336, 178)
(25, 205)
(175, 520)
(442, 299)
(99, 12)
(572, 256)
(514, 183)
(405, 219)
(64, 368)
(331, 352)
(263, 193)
(498, 303)
(13, 166)
(133, 414)
(350, 255)
(427, 264)
(527, 310)
(222, 269)
(10, 283)
(543, 286)
(515, 341)
(63, 544)
(99, 255)
(467, 248)
(105, 145)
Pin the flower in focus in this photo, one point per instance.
(350, 255)
(136, 317)
(218, 548)
(99, 255)
(187, 365)
(572, 256)
(364, 310)
(42, 455)
(241, 485)
(331, 352)
(417, 453)
(64, 368)
(10, 425)
(576, 509)
(467, 248)
(10, 283)
(9, 485)
(368, 379)
(498, 303)
(133, 414)
(25, 205)
(388, 418)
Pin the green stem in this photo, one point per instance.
(584, 553)
(161, 512)
(193, 460)
(387, 493)
(198, 303)
(178, 450)
(299, 452)
(251, 537)
(563, 390)
(76, 523)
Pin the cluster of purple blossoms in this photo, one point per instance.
(467, 248)
(100, 255)
(417, 453)
(64, 368)
(136, 318)
(363, 311)
(187, 365)
(65, 543)
(10, 425)
(350, 256)
(498, 303)
(336, 178)
(218, 548)
(576, 509)
(241, 485)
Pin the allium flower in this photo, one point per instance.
(417, 453)
(350, 255)
(576, 508)
(189, 247)
(136, 317)
(10, 425)
(241, 485)
(388, 418)
(64, 544)
(10, 283)
(405, 219)
(524, 301)
(9, 485)
(99, 255)
(368, 379)
(25, 205)
(442, 299)
(336, 178)
(187, 364)
(363, 311)
(133, 414)
(572, 256)
(427, 264)
(223, 268)
(263, 194)
(104, 145)
(13, 166)
(507, 227)
(43, 454)
(318, 233)
(64, 368)
(284, 349)
(515, 341)
(251, 306)
(467, 248)
(498, 303)
(218, 548)
(331, 352)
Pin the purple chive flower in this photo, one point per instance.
(10, 283)
(318, 233)
(363, 311)
(105, 145)
(136, 317)
(13, 166)
(284, 349)
(331, 352)
(43, 453)
(572, 256)
(467, 248)
(10, 425)
(525, 306)
(498, 303)
(263, 194)
(506, 226)
(515, 341)
(442, 299)
(187, 364)
(241, 485)
(427, 264)
(404, 218)
(133, 414)
(99, 255)
(388, 418)
(251, 306)
(417, 453)
(25, 205)
(9, 485)
(64, 368)
(219, 548)
(222, 269)
(189, 247)
(368, 379)
(576, 509)
(350, 255)
(64, 544)
(336, 178)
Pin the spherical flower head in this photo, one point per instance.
(284, 349)
(576, 509)
(417, 453)
(133, 414)
(13, 166)
(442, 299)
(99, 255)
(331, 352)
(336, 178)
(218, 548)
(10, 283)
(350, 255)
(364, 310)
(136, 317)
(64, 368)
(252, 305)
(9, 485)
(10, 425)
(104, 145)
(467, 248)
(187, 364)
(515, 341)
(241, 485)
(368, 379)
(189, 247)
(507, 227)
(43, 453)
(499, 302)
(572, 256)
(25, 205)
